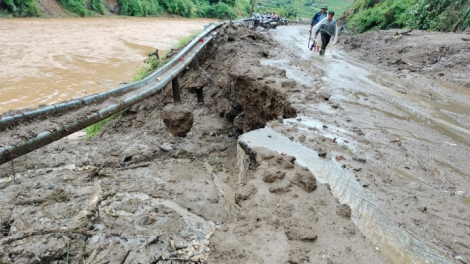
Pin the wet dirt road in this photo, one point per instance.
(45, 61)
(397, 149)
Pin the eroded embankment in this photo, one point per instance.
(135, 192)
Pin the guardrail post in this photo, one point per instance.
(195, 64)
(200, 96)
(176, 90)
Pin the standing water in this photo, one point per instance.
(46, 61)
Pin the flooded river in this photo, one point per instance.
(45, 61)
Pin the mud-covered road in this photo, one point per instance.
(341, 161)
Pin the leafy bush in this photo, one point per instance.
(229, 2)
(440, 15)
(185, 8)
(140, 8)
(243, 7)
(203, 9)
(76, 6)
(222, 10)
(21, 8)
(97, 5)
(380, 16)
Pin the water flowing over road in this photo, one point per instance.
(403, 149)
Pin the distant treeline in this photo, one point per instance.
(433, 15)
(224, 9)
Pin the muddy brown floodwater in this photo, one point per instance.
(45, 61)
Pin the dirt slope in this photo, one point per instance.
(52, 9)
(442, 56)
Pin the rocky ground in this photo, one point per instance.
(135, 193)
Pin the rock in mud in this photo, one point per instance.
(280, 187)
(178, 119)
(267, 155)
(238, 121)
(246, 192)
(288, 84)
(361, 160)
(299, 231)
(305, 180)
(325, 95)
(272, 175)
(298, 256)
(286, 162)
(343, 210)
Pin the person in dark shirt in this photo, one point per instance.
(317, 18)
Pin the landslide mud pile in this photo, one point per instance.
(434, 55)
(135, 193)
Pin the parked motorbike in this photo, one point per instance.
(263, 21)
(283, 21)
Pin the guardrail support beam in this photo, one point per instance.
(195, 64)
(176, 90)
(200, 96)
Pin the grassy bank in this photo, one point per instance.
(433, 15)
(303, 8)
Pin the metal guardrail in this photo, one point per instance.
(5, 121)
(11, 152)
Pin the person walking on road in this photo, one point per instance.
(317, 18)
(327, 29)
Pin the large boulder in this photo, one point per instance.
(178, 119)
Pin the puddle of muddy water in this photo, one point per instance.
(45, 61)
(342, 74)
(395, 242)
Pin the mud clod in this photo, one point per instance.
(178, 119)
(246, 192)
(280, 187)
(343, 210)
(300, 231)
(305, 179)
(271, 175)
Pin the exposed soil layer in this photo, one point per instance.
(135, 193)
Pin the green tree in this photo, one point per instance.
(21, 8)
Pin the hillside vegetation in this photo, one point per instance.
(301, 8)
(435, 15)
(225, 9)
